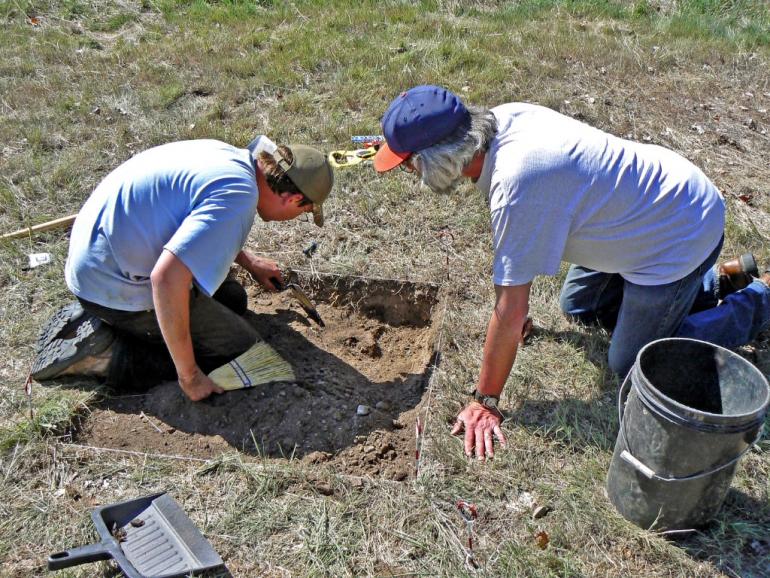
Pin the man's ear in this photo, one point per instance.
(293, 198)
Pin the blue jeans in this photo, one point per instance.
(689, 307)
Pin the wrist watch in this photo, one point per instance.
(488, 401)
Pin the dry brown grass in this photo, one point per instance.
(85, 85)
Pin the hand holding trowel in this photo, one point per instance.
(301, 297)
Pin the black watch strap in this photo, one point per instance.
(488, 401)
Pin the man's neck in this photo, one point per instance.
(264, 190)
(473, 169)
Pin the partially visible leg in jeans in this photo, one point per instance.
(655, 312)
(232, 295)
(708, 296)
(592, 297)
(685, 308)
(218, 334)
(649, 313)
(140, 358)
(736, 321)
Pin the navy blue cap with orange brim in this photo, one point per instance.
(387, 159)
(416, 119)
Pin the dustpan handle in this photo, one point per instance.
(75, 556)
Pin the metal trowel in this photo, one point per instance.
(301, 297)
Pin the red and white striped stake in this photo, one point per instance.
(417, 445)
(28, 391)
(469, 512)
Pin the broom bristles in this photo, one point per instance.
(259, 364)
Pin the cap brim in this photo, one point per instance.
(386, 159)
(318, 215)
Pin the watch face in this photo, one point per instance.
(490, 402)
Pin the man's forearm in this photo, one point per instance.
(503, 338)
(499, 354)
(171, 296)
(243, 258)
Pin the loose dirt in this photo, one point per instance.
(375, 351)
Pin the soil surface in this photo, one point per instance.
(375, 351)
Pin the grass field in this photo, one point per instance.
(86, 84)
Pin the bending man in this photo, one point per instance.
(641, 225)
(150, 252)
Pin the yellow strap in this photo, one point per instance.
(340, 159)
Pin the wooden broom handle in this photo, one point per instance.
(27, 231)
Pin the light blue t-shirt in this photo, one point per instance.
(561, 190)
(197, 199)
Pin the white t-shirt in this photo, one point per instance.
(197, 199)
(560, 190)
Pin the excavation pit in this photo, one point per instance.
(360, 383)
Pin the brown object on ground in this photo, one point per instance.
(47, 226)
(376, 350)
(736, 274)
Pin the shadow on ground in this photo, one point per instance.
(317, 412)
(737, 541)
(359, 382)
(576, 423)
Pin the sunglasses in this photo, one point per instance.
(407, 166)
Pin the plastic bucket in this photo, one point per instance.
(693, 410)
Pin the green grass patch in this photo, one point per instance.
(57, 413)
(116, 22)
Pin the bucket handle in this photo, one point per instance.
(647, 471)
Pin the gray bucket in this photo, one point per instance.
(692, 411)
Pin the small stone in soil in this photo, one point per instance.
(383, 405)
(363, 410)
(317, 457)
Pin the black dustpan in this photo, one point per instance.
(150, 536)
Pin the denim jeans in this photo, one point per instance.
(140, 358)
(689, 307)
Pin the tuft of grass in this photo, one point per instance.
(55, 415)
(116, 22)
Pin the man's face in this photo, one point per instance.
(414, 166)
(282, 207)
(293, 207)
(411, 165)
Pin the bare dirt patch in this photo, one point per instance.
(375, 351)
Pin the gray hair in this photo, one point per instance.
(441, 165)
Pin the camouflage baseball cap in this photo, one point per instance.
(311, 173)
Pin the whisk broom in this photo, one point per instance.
(257, 365)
